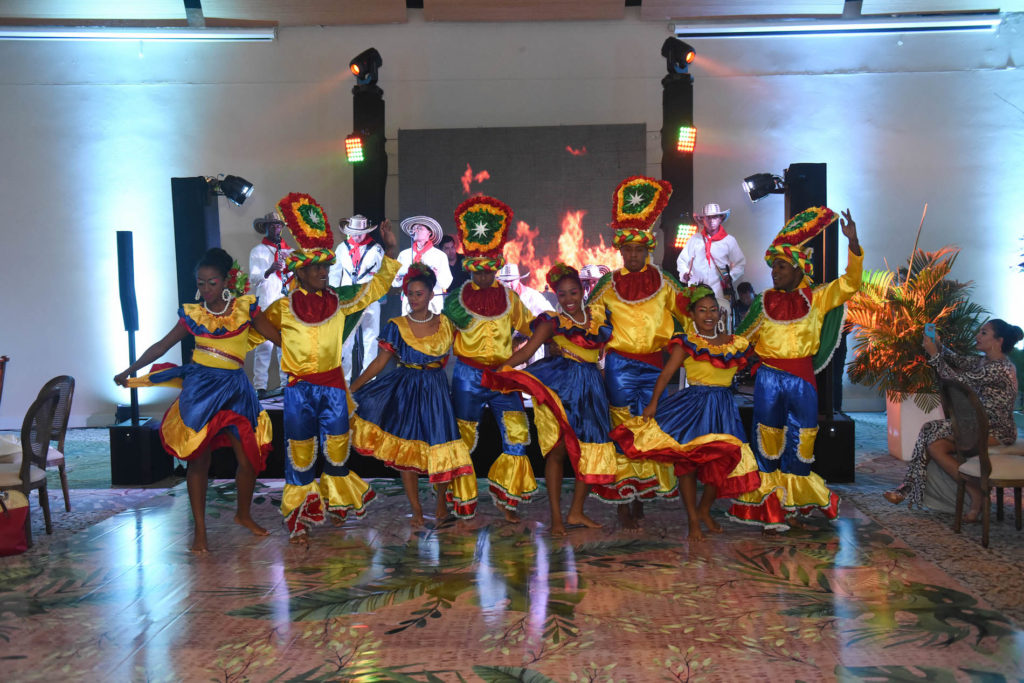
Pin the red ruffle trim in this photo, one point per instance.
(771, 512)
(311, 307)
(256, 454)
(197, 330)
(703, 354)
(504, 499)
(636, 286)
(462, 510)
(630, 489)
(341, 511)
(711, 461)
(780, 305)
(487, 302)
(310, 513)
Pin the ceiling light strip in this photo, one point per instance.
(202, 35)
(987, 22)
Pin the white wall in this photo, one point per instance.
(94, 132)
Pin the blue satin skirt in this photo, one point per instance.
(699, 410)
(411, 404)
(206, 391)
(581, 389)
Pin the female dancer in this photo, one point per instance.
(991, 376)
(570, 406)
(698, 429)
(406, 417)
(218, 404)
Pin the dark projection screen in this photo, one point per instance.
(558, 180)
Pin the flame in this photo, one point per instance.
(469, 177)
(571, 250)
(576, 152)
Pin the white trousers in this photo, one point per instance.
(367, 333)
(261, 356)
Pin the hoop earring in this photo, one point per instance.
(720, 327)
(226, 295)
(198, 295)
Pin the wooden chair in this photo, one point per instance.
(30, 473)
(970, 434)
(65, 384)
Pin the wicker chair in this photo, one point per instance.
(30, 473)
(65, 384)
(970, 434)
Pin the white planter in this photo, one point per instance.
(904, 422)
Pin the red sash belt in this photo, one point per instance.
(801, 367)
(330, 378)
(476, 364)
(657, 359)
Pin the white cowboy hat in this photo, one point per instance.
(260, 224)
(357, 225)
(594, 271)
(510, 272)
(712, 209)
(435, 228)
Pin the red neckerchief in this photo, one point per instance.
(281, 275)
(784, 306)
(353, 250)
(314, 307)
(636, 286)
(708, 239)
(487, 302)
(417, 254)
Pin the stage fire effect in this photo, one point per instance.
(571, 250)
(468, 178)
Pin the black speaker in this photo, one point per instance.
(196, 229)
(126, 280)
(136, 454)
(834, 449)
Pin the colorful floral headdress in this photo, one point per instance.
(560, 271)
(416, 270)
(483, 224)
(801, 228)
(691, 295)
(238, 280)
(636, 205)
(308, 224)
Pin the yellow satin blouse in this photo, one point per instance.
(700, 371)
(643, 326)
(488, 340)
(214, 348)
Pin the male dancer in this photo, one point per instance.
(358, 260)
(267, 277)
(796, 330)
(712, 257)
(425, 233)
(641, 303)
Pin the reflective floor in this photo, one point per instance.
(375, 600)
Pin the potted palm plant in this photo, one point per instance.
(889, 314)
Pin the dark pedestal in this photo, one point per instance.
(136, 454)
(833, 448)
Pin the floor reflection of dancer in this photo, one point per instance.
(405, 418)
(485, 315)
(217, 405)
(267, 277)
(698, 429)
(425, 233)
(796, 329)
(308, 326)
(358, 260)
(570, 406)
(641, 303)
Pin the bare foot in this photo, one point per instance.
(695, 533)
(250, 524)
(199, 543)
(626, 519)
(441, 511)
(301, 538)
(417, 521)
(713, 526)
(637, 507)
(581, 518)
(973, 517)
(512, 517)
(558, 530)
(336, 519)
(463, 526)
(771, 533)
(797, 523)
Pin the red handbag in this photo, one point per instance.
(13, 513)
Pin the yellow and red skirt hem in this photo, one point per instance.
(184, 443)
(441, 462)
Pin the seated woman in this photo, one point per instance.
(993, 377)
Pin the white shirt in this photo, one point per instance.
(436, 259)
(534, 300)
(345, 272)
(267, 289)
(693, 261)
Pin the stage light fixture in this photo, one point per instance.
(678, 55)
(354, 148)
(684, 232)
(235, 188)
(364, 66)
(760, 185)
(687, 139)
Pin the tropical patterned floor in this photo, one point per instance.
(377, 601)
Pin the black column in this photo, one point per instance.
(369, 177)
(196, 229)
(676, 166)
